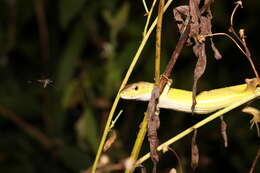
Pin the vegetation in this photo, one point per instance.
(62, 63)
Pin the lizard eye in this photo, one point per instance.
(136, 88)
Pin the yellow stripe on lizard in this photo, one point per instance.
(181, 100)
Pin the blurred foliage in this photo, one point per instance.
(85, 47)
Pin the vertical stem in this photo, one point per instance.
(138, 143)
(254, 162)
(130, 69)
(148, 18)
(158, 42)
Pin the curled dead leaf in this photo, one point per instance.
(110, 140)
(224, 131)
(194, 151)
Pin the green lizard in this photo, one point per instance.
(181, 100)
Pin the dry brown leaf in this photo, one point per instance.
(110, 140)
(200, 26)
(199, 50)
(224, 131)
(194, 151)
(217, 54)
(180, 14)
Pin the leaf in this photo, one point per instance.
(201, 26)
(199, 51)
(195, 17)
(110, 141)
(69, 10)
(224, 131)
(119, 20)
(206, 29)
(86, 128)
(217, 54)
(70, 96)
(69, 59)
(194, 151)
(180, 14)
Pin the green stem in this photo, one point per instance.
(158, 42)
(130, 69)
(138, 143)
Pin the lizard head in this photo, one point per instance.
(137, 91)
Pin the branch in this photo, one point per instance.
(28, 128)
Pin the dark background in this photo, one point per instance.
(85, 48)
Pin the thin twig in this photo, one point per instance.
(153, 118)
(182, 40)
(242, 40)
(178, 158)
(231, 38)
(33, 131)
(148, 18)
(124, 82)
(138, 143)
(231, 21)
(152, 109)
(255, 160)
(145, 6)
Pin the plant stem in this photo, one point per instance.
(130, 69)
(158, 42)
(138, 143)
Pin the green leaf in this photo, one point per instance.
(68, 10)
(119, 20)
(71, 54)
(86, 128)
(69, 98)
